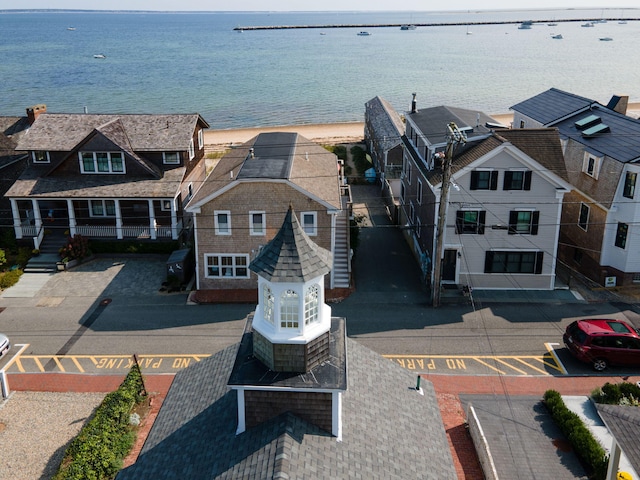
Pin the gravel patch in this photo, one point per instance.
(36, 428)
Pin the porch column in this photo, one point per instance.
(36, 215)
(152, 220)
(174, 220)
(72, 217)
(17, 224)
(118, 219)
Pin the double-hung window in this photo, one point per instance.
(101, 162)
(591, 165)
(583, 219)
(513, 262)
(102, 208)
(192, 150)
(257, 223)
(629, 185)
(222, 222)
(470, 221)
(200, 139)
(309, 222)
(621, 235)
(517, 180)
(523, 222)
(311, 300)
(484, 180)
(227, 266)
(289, 309)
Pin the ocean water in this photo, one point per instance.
(196, 62)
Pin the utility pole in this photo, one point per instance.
(454, 137)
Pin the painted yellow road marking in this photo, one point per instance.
(502, 364)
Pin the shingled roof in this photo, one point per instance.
(291, 256)
(552, 105)
(276, 156)
(64, 131)
(624, 424)
(390, 431)
(385, 121)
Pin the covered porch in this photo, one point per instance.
(151, 218)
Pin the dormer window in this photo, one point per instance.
(101, 162)
(40, 156)
(171, 158)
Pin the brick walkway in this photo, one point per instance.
(448, 388)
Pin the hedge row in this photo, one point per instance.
(580, 437)
(625, 393)
(97, 453)
(9, 278)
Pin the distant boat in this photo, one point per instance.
(525, 25)
(322, 33)
(99, 55)
(557, 37)
(553, 24)
(589, 24)
(605, 39)
(622, 22)
(363, 34)
(469, 32)
(407, 27)
(71, 28)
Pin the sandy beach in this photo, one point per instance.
(329, 133)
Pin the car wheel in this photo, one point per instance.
(599, 364)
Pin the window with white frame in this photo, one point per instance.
(311, 298)
(192, 150)
(40, 156)
(171, 158)
(309, 222)
(419, 193)
(629, 185)
(408, 173)
(200, 139)
(222, 222)
(102, 208)
(257, 223)
(226, 266)
(621, 235)
(268, 304)
(583, 218)
(165, 205)
(289, 309)
(101, 162)
(402, 190)
(591, 165)
(513, 262)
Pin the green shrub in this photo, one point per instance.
(580, 437)
(24, 254)
(10, 278)
(339, 151)
(3, 257)
(625, 393)
(103, 443)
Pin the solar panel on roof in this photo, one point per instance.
(599, 128)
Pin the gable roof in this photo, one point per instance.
(11, 129)
(433, 122)
(385, 121)
(391, 432)
(291, 256)
(552, 105)
(624, 424)
(540, 144)
(63, 131)
(280, 156)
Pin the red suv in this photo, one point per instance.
(603, 342)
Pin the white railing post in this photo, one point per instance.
(72, 217)
(118, 219)
(174, 221)
(15, 212)
(152, 220)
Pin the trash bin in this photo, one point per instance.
(179, 264)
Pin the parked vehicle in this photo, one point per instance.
(5, 344)
(603, 342)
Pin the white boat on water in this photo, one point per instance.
(407, 27)
(557, 37)
(363, 34)
(71, 28)
(588, 24)
(99, 55)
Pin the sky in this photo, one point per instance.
(307, 5)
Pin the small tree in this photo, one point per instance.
(77, 248)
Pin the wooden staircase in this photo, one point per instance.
(342, 253)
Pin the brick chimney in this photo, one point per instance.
(35, 111)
